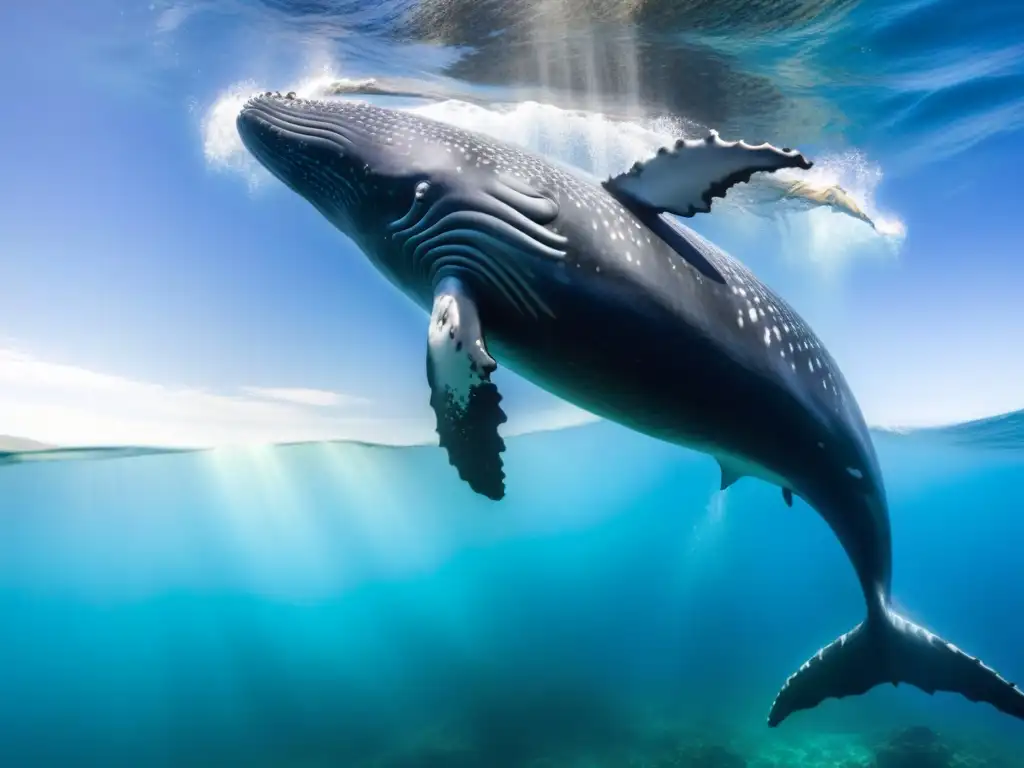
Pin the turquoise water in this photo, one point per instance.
(316, 595)
(344, 604)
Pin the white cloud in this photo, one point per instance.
(169, 19)
(315, 397)
(67, 405)
(561, 415)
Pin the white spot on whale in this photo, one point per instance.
(753, 315)
(854, 472)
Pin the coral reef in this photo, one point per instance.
(689, 756)
(704, 757)
(815, 751)
(921, 747)
(916, 747)
(664, 745)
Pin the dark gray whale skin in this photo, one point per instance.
(627, 313)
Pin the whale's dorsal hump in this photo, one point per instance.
(684, 179)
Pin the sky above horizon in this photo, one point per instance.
(157, 289)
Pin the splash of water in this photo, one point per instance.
(831, 239)
(814, 233)
(589, 141)
(811, 232)
(222, 146)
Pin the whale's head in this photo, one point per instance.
(420, 197)
(361, 166)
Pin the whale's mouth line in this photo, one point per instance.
(300, 143)
(302, 121)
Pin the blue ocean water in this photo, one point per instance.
(345, 604)
(342, 603)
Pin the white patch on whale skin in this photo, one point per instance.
(462, 395)
(452, 364)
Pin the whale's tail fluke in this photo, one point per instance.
(887, 648)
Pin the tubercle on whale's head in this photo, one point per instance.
(353, 161)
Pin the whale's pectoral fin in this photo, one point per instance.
(683, 180)
(787, 496)
(889, 649)
(461, 393)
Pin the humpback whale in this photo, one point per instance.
(598, 293)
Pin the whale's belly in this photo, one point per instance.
(639, 365)
(680, 374)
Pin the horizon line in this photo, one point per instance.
(14, 449)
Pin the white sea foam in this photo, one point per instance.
(602, 146)
(222, 145)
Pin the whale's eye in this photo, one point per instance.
(421, 189)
